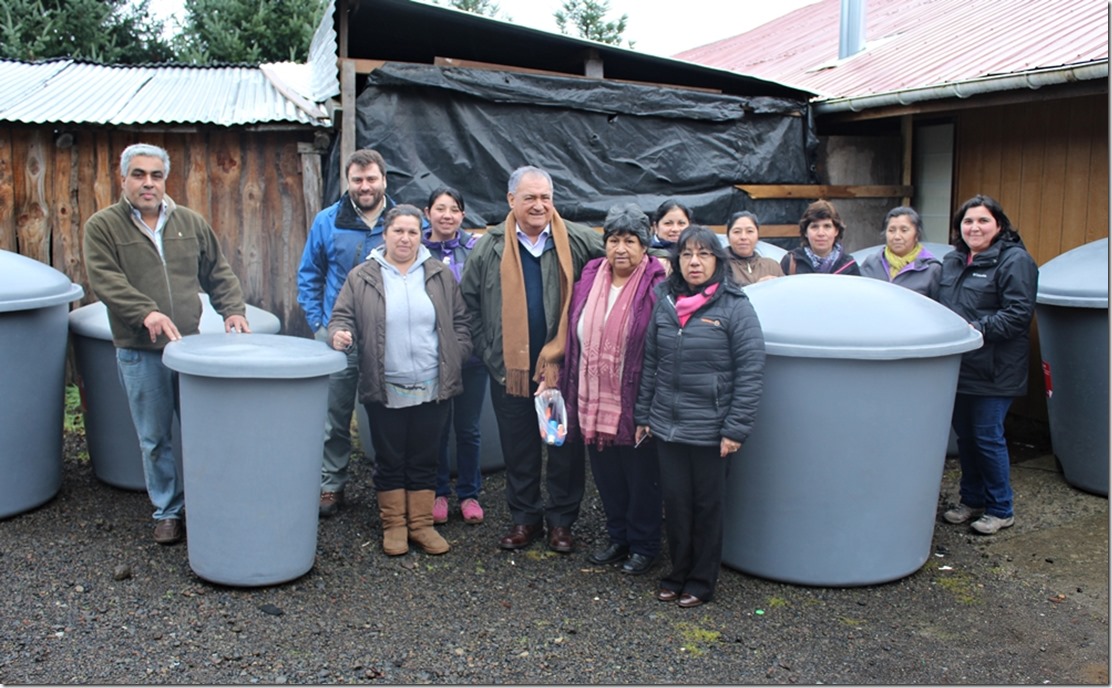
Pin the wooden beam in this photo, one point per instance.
(763, 191)
(473, 64)
(362, 66)
(305, 105)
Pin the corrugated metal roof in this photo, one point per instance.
(67, 91)
(915, 43)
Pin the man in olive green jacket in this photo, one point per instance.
(517, 284)
(147, 259)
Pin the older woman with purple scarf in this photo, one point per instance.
(611, 306)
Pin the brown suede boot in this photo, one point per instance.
(395, 536)
(419, 513)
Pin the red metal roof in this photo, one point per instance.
(915, 43)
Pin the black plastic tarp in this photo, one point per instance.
(603, 142)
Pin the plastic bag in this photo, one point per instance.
(552, 416)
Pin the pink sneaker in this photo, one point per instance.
(440, 510)
(472, 512)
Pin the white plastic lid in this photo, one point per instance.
(1078, 277)
(26, 284)
(230, 355)
(937, 250)
(844, 316)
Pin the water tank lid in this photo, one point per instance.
(849, 317)
(1078, 277)
(91, 320)
(26, 284)
(252, 356)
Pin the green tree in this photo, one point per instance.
(247, 31)
(588, 18)
(104, 31)
(487, 8)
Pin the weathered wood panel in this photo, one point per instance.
(247, 184)
(7, 192)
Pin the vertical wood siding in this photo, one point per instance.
(247, 184)
(1047, 164)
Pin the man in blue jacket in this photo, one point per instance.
(341, 237)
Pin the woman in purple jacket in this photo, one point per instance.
(610, 310)
(451, 245)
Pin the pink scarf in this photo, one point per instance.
(686, 305)
(603, 355)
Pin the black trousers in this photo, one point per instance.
(694, 485)
(628, 482)
(565, 474)
(407, 444)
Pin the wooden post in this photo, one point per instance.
(311, 182)
(347, 117)
(908, 131)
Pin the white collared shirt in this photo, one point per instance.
(155, 234)
(535, 249)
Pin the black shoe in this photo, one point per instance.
(638, 564)
(611, 554)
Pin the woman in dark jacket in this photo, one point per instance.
(404, 313)
(990, 280)
(611, 306)
(821, 229)
(702, 380)
(904, 260)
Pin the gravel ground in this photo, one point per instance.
(89, 598)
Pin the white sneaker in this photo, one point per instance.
(989, 524)
(962, 513)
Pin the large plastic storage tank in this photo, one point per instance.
(34, 300)
(252, 409)
(109, 431)
(838, 484)
(1072, 312)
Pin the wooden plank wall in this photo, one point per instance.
(1046, 162)
(248, 184)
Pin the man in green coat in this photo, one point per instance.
(147, 260)
(517, 284)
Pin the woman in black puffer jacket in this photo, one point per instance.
(990, 280)
(701, 382)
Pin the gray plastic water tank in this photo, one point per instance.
(109, 431)
(1072, 311)
(34, 299)
(490, 447)
(938, 250)
(838, 484)
(252, 409)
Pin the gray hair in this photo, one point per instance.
(912, 215)
(522, 172)
(144, 149)
(626, 218)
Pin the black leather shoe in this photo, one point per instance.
(611, 554)
(520, 536)
(638, 564)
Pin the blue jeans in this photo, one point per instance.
(985, 469)
(467, 409)
(152, 396)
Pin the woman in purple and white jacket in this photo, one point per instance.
(611, 307)
(451, 245)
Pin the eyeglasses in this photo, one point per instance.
(703, 255)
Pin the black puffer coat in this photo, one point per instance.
(702, 382)
(996, 294)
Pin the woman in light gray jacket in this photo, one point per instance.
(405, 315)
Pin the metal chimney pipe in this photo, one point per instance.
(851, 30)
